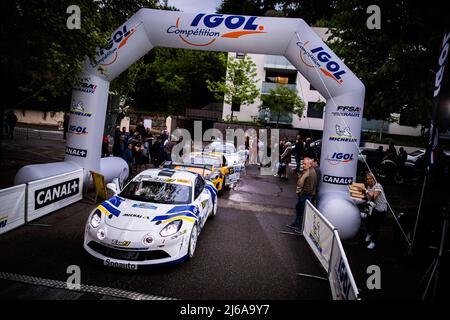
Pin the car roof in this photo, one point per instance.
(167, 175)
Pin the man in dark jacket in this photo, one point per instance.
(298, 152)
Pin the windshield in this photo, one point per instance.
(157, 192)
(206, 160)
(225, 148)
(416, 153)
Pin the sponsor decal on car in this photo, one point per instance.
(122, 265)
(338, 180)
(3, 221)
(120, 243)
(144, 206)
(202, 29)
(48, 195)
(76, 152)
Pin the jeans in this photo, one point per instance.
(300, 208)
(373, 224)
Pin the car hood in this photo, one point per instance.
(126, 214)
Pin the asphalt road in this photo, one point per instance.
(240, 255)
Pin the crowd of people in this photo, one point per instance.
(139, 147)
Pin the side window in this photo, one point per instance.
(199, 185)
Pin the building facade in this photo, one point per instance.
(277, 70)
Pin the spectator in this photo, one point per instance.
(66, 125)
(138, 157)
(391, 153)
(309, 150)
(316, 166)
(126, 134)
(306, 190)
(128, 156)
(286, 160)
(140, 128)
(298, 152)
(105, 146)
(168, 150)
(374, 193)
(157, 152)
(117, 152)
(11, 120)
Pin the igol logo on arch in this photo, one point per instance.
(320, 58)
(201, 32)
(108, 53)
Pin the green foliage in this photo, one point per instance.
(41, 56)
(392, 62)
(282, 100)
(239, 86)
(175, 79)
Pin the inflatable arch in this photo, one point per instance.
(291, 38)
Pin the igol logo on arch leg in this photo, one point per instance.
(204, 27)
(320, 58)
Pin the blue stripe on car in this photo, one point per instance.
(110, 208)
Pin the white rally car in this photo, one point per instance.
(155, 219)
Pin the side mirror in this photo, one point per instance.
(112, 187)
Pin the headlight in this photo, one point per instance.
(101, 234)
(171, 228)
(96, 218)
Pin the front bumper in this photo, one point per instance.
(132, 253)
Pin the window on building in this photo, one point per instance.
(281, 77)
(315, 109)
(235, 105)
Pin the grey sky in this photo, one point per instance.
(195, 5)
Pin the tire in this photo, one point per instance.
(193, 241)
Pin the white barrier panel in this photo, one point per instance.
(12, 212)
(53, 193)
(319, 234)
(342, 283)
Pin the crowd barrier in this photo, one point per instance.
(323, 239)
(27, 202)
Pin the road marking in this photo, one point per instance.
(83, 288)
(253, 207)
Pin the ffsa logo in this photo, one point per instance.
(202, 26)
(320, 58)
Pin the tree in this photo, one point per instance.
(175, 79)
(239, 86)
(395, 63)
(282, 100)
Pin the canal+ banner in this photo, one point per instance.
(53, 193)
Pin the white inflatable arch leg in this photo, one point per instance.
(292, 38)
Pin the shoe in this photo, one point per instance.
(292, 226)
(371, 245)
(368, 237)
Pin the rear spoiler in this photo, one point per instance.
(171, 165)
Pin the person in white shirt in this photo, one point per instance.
(374, 193)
